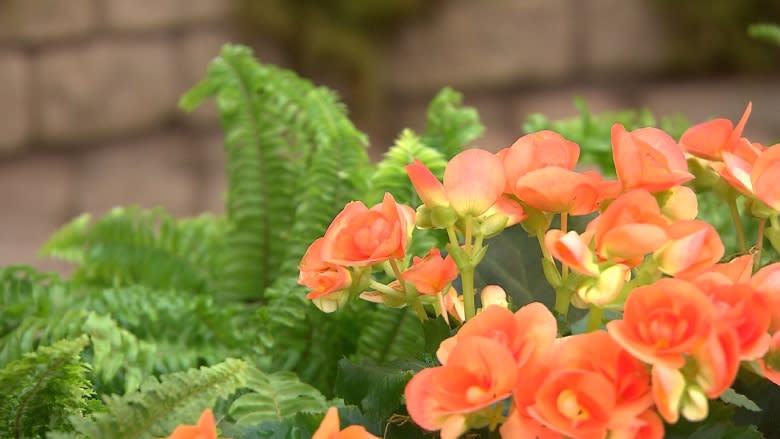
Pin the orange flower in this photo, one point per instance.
(738, 270)
(205, 429)
(647, 426)
(479, 373)
(572, 249)
(630, 228)
(746, 312)
(710, 139)
(473, 182)
(767, 282)
(663, 322)
(431, 274)
(535, 151)
(359, 236)
(765, 175)
(323, 278)
(558, 190)
(575, 402)
(648, 158)
(330, 428)
(693, 247)
(528, 333)
(717, 361)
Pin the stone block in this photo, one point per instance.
(105, 88)
(622, 36)
(35, 200)
(37, 21)
(144, 15)
(150, 172)
(212, 180)
(14, 101)
(475, 44)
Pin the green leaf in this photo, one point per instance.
(377, 390)
(391, 334)
(277, 397)
(159, 406)
(732, 397)
(769, 33)
(42, 389)
(451, 126)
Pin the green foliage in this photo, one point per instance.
(377, 390)
(390, 175)
(159, 406)
(131, 246)
(450, 126)
(718, 425)
(275, 397)
(391, 334)
(732, 397)
(293, 159)
(765, 32)
(42, 389)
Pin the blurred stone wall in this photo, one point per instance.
(88, 93)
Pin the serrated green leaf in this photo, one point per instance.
(377, 390)
(732, 397)
(275, 397)
(450, 126)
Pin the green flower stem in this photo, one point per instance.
(759, 244)
(453, 237)
(737, 219)
(594, 318)
(467, 235)
(467, 278)
(564, 229)
(562, 301)
(562, 295)
(386, 290)
(411, 294)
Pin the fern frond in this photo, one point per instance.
(391, 334)
(159, 406)
(26, 292)
(119, 360)
(293, 160)
(42, 389)
(134, 246)
(390, 175)
(450, 126)
(275, 397)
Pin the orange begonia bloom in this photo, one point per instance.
(631, 227)
(330, 428)
(205, 429)
(323, 278)
(746, 312)
(575, 402)
(359, 236)
(737, 270)
(473, 182)
(767, 282)
(648, 158)
(528, 333)
(479, 373)
(572, 249)
(693, 247)
(668, 386)
(431, 274)
(536, 151)
(663, 322)
(710, 139)
(646, 426)
(717, 360)
(558, 190)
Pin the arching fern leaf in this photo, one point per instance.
(391, 334)
(275, 397)
(42, 389)
(159, 406)
(450, 126)
(134, 246)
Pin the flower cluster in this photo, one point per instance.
(688, 320)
